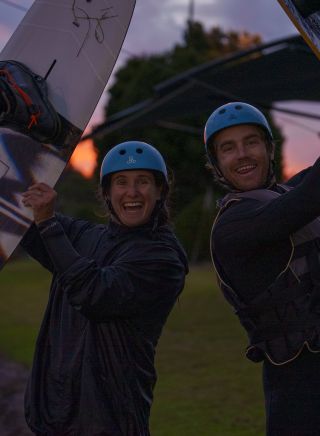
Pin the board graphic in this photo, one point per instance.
(71, 47)
(305, 15)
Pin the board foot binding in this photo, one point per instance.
(24, 105)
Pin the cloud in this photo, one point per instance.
(259, 16)
(154, 26)
(157, 26)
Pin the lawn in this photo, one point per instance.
(206, 386)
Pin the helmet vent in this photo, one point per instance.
(222, 111)
(139, 150)
(122, 151)
(238, 107)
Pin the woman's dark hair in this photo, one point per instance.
(163, 206)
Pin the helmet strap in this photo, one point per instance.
(271, 179)
(111, 209)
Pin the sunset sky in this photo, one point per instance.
(158, 25)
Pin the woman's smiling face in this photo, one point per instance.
(133, 195)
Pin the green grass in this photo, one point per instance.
(23, 295)
(206, 385)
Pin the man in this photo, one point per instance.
(113, 288)
(265, 249)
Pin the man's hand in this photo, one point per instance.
(41, 198)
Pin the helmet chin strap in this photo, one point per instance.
(114, 216)
(271, 179)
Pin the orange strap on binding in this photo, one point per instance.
(34, 114)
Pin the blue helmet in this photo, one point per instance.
(233, 114)
(132, 155)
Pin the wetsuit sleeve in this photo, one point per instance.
(251, 224)
(139, 279)
(33, 244)
(298, 178)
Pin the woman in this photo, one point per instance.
(113, 288)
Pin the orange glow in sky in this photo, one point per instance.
(300, 149)
(302, 141)
(84, 158)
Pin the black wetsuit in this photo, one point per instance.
(252, 246)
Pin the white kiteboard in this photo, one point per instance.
(71, 47)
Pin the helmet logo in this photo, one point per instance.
(131, 160)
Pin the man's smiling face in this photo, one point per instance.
(242, 156)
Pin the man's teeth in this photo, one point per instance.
(245, 168)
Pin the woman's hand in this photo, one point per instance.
(41, 198)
